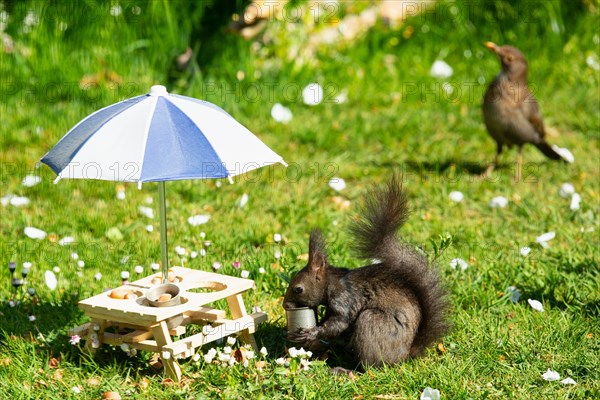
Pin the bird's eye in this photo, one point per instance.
(298, 289)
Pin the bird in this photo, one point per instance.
(510, 111)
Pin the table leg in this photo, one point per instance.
(95, 335)
(163, 338)
(238, 310)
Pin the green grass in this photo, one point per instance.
(397, 119)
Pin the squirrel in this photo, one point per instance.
(392, 309)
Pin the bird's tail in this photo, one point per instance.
(374, 232)
(548, 150)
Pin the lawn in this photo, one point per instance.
(382, 113)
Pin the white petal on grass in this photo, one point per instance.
(19, 201)
(525, 251)
(138, 269)
(536, 305)
(281, 113)
(146, 211)
(568, 381)
(180, 250)
(342, 97)
(499, 202)
(430, 394)
(243, 200)
(277, 237)
(337, 184)
(245, 274)
(98, 276)
(456, 196)
(124, 274)
(564, 153)
(50, 279)
(312, 94)
(34, 233)
(66, 240)
(551, 375)
(515, 295)
(544, 238)
(440, 69)
(150, 228)
(199, 219)
(155, 266)
(575, 201)
(31, 180)
(231, 340)
(566, 190)
(459, 263)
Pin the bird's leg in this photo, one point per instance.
(519, 163)
(490, 168)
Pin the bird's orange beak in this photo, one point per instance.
(492, 46)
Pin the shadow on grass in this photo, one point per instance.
(441, 167)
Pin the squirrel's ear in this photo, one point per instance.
(317, 256)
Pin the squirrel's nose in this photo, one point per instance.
(289, 305)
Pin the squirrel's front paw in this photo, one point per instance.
(308, 337)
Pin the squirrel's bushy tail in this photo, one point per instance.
(375, 236)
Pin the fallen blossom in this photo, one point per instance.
(544, 238)
(31, 180)
(80, 263)
(155, 266)
(138, 269)
(337, 184)
(76, 389)
(575, 200)
(243, 200)
(32, 318)
(459, 262)
(75, 256)
(98, 276)
(566, 190)
(263, 351)
(249, 354)
(180, 250)
(150, 228)
(277, 254)
(499, 202)
(231, 340)
(199, 219)
(568, 381)
(66, 240)
(430, 394)
(551, 375)
(216, 265)
(525, 251)
(50, 279)
(146, 211)
(203, 252)
(536, 305)
(16, 201)
(124, 274)
(564, 153)
(440, 69)
(312, 94)
(261, 270)
(245, 274)
(281, 113)
(515, 295)
(75, 339)
(56, 269)
(277, 237)
(456, 196)
(342, 96)
(256, 309)
(34, 233)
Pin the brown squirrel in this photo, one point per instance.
(392, 309)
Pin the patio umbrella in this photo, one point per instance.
(158, 137)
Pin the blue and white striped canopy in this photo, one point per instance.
(158, 137)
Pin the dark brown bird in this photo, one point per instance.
(510, 112)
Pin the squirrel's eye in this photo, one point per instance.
(298, 289)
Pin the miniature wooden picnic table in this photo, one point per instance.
(148, 328)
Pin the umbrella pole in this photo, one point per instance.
(162, 211)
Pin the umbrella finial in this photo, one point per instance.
(158, 90)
